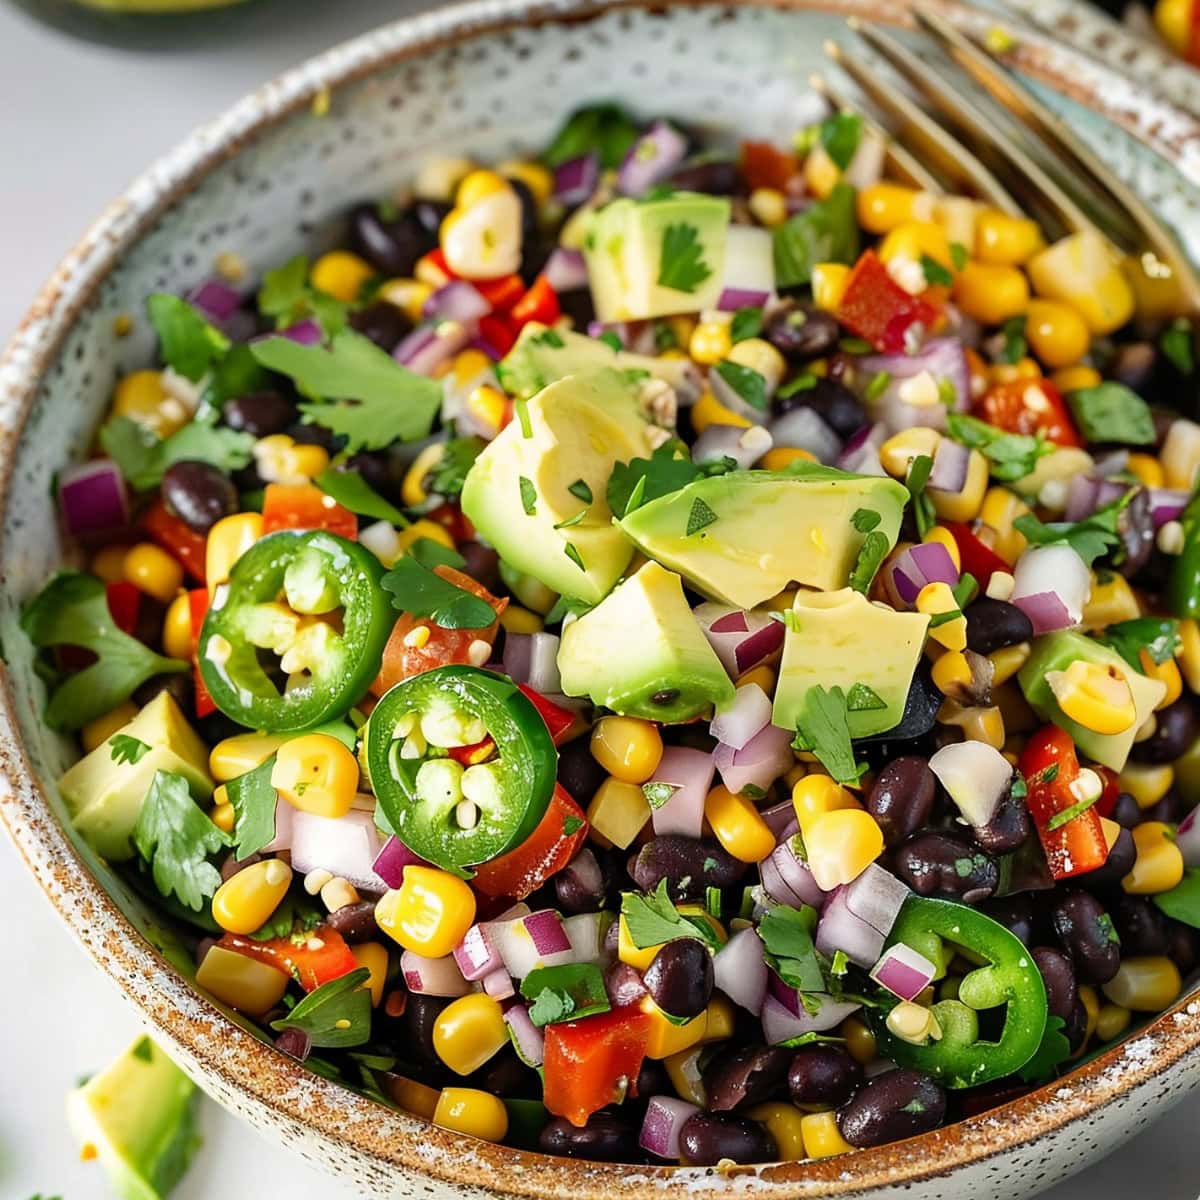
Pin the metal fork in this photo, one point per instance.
(1026, 158)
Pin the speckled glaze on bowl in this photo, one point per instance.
(488, 78)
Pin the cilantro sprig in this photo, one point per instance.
(425, 592)
(668, 469)
(824, 731)
(681, 265)
(1010, 456)
(189, 345)
(1090, 538)
(127, 749)
(143, 458)
(1158, 636)
(652, 919)
(787, 937)
(254, 801)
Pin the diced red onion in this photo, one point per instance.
(744, 446)
(432, 976)
(781, 820)
(733, 621)
(576, 179)
(307, 333)
(805, 429)
(1112, 463)
(942, 357)
(566, 270)
(623, 984)
(690, 772)
(499, 984)
(425, 356)
(585, 871)
(780, 1025)
(651, 159)
(1166, 504)
(392, 861)
(787, 878)
(746, 716)
(532, 659)
(476, 954)
(740, 970)
(519, 950)
(546, 931)
(285, 813)
(950, 460)
(1187, 838)
(665, 1117)
(414, 343)
(1046, 611)
(93, 498)
(759, 637)
(908, 571)
(861, 452)
(215, 300)
(528, 1040)
(347, 846)
(876, 897)
(903, 971)
(975, 775)
(787, 995)
(841, 929)
(731, 299)
(1050, 586)
(1086, 493)
(749, 279)
(757, 764)
(457, 300)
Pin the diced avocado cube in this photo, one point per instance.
(742, 538)
(823, 646)
(104, 794)
(138, 1117)
(525, 493)
(1056, 652)
(642, 653)
(651, 258)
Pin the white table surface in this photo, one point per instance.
(77, 122)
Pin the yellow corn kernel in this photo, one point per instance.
(245, 984)
(991, 294)
(142, 397)
(412, 490)
(951, 671)
(1081, 270)
(1005, 240)
(885, 206)
(841, 845)
(763, 676)
(664, 1037)
(1147, 984)
(618, 812)
(228, 540)
(337, 893)
(477, 185)
(782, 457)
(487, 405)
(1110, 602)
(177, 628)
(243, 752)
(719, 1019)
(316, 773)
(515, 619)
(1024, 368)
(97, 731)
(822, 1138)
(768, 206)
(1072, 379)
(821, 173)
(759, 355)
(629, 749)
(814, 795)
(341, 274)
(683, 1070)
(1173, 19)
(223, 815)
(1007, 661)
(737, 825)
(153, 571)
(108, 564)
(943, 537)
(245, 901)
(408, 295)
(785, 1124)
(1166, 673)
(1057, 334)
(914, 240)
(937, 598)
(1098, 697)
(1112, 1021)
(413, 1097)
(1159, 863)
(1147, 783)
(638, 957)
(1147, 468)
(1111, 831)
(470, 1111)
(710, 342)
(898, 452)
(829, 285)
(429, 913)
(860, 1041)
(533, 175)
(1189, 654)
(424, 529)
(978, 724)
(708, 410)
(281, 459)
(999, 510)
(469, 1031)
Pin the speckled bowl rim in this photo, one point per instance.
(224, 1051)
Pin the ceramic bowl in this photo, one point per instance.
(490, 79)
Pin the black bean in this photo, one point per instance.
(689, 865)
(230, 865)
(582, 885)
(801, 333)
(178, 684)
(1117, 865)
(1008, 828)
(1086, 932)
(833, 402)
(945, 865)
(705, 1140)
(1059, 977)
(993, 624)
(746, 1075)
(1018, 915)
(1176, 727)
(420, 1016)
(823, 1075)
(579, 306)
(198, 493)
(605, 1138)
(314, 435)
(653, 1080)
(1135, 526)
(579, 772)
(383, 323)
(718, 177)
(391, 244)
(355, 922)
(1126, 811)
(896, 1105)
(259, 413)
(375, 468)
(1075, 1027)
(680, 978)
(483, 564)
(1134, 365)
(901, 798)
(506, 1075)
(1169, 810)
(1141, 927)
(1183, 946)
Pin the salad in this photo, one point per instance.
(652, 652)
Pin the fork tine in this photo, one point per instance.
(926, 135)
(902, 164)
(1013, 95)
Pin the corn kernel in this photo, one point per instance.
(414, 1097)
(829, 282)
(1006, 240)
(429, 913)
(1167, 673)
(177, 628)
(991, 294)
(768, 206)
(719, 1019)
(424, 529)
(487, 405)
(245, 901)
(963, 505)
(338, 893)
(1112, 1021)
(882, 207)
(1073, 379)
(711, 342)
(412, 490)
(914, 240)
(951, 672)
(469, 1031)
(759, 355)
(1095, 696)
(408, 295)
(470, 1111)
(153, 571)
(1057, 334)
(860, 1040)
(1145, 984)
(898, 452)
(785, 1124)
(142, 397)
(515, 619)
(841, 845)
(814, 795)
(223, 815)
(629, 749)
(1147, 468)
(935, 599)
(108, 564)
(1189, 654)
(821, 173)
(341, 274)
(822, 1138)
(761, 676)
(1007, 661)
(913, 1023)
(316, 773)
(736, 824)
(97, 731)
(1158, 866)
(281, 459)
(1180, 455)
(228, 540)
(236, 755)
(245, 984)
(1147, 783)
(708, 410)
(782, 457)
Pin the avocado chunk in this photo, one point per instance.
(522, 490)
(1056, 652)
(651, 258)
(104, 794)
(138, 1116)
(840, 639)
(642, 653)
(742, 538)
(542, 356)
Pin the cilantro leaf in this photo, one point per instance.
(840, 135)
(747, 323)
(427, 593)
(175, 837)
(682, 264)
(567, 606)
(700, 517)
(658, 793)
(1090, 538)
(433, 554)
(296, 915)
(864, 519)
(572, 552)
(143, 458)
(127, 749)
(861, 698)
(571, 990)
(786, 934)
(959, 255)
(871, 553)
(254, 801)
(336, 1015)
(1182, 902)
(1158, 636)
(1015, 345)
(604, 129)
(72, 610)
(571, 824)
(652, 919)
(746, 382)
(1010, 455)
(1112, 412)
(352, 491)
(826, 231)
(188, 343)
(1176, 344)
(918, 476)
(1052, 1053)
(580, 490)
(824, 730)
(644, 479)
(550, 1007)
(286, 295)
(528, 495)
(934, 272)
(450, 471)
(391, 403)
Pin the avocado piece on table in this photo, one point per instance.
(641, 652)
(137, 1116)
(652, 258)
(104, 794)
(741, 538)
(840, 639)
(522, 487)
(1056, 652)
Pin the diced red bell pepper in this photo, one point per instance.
(540, 303)
(977, 558)
(1049, 766)
(593, 1062)
(552, 845)
(176, 538)
(558, 720)
(124, 604)
(198, 607)
(305, 506)
(1027, 406)
(499, 332)
(311, 959)
(433, 269)
(500, 293)
(766, 166)
(878, 310)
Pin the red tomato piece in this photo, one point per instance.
(305, 506)
(311, 959)
(764, 166)
(878, 310)
(593, 1062)
(124, 604)
(1027, 406)
(451, 518)
(176, 538)
(540, 304)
